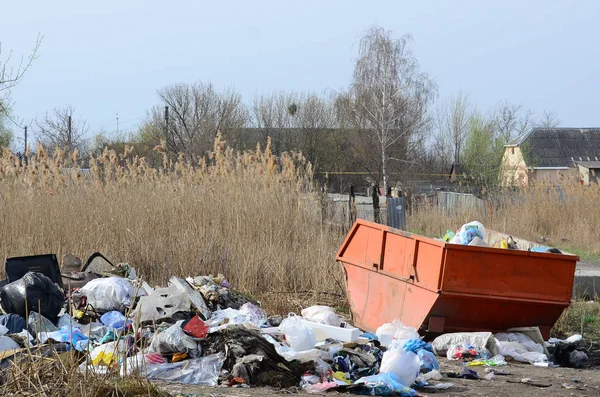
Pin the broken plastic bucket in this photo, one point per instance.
(438, 287)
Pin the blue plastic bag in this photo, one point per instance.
(414, 345)
(388, 384)
(66, 334)
(369, 336)
(114, 319)
(428, 361)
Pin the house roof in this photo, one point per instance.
(589, 164)
(559, 147)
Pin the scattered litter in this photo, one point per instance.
(467, 373)
(497, 371)
(528, 381)
(200, 331)
(386, 384)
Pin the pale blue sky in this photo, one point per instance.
(111, 56)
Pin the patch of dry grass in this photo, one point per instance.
(582, 317)
(35, 374)
(251, 216)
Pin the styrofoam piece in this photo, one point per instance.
(161, 304)
(271, 330)
(193, 294)
(323, 331)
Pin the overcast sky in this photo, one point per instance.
(111, 56)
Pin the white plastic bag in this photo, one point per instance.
(481, 340)
(297, 335)
(173, 340)
(7, 343)
(402, 363)
(112, 293)
(465, 236)
(315, 355)
(527, 352)
(396, 330)
(108, 353)
(322, 315)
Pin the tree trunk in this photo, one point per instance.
(384, 171)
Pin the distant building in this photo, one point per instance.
(551, 154)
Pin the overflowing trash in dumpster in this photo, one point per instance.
(200, 331)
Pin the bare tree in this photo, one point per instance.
(453, 124)
(314, 119)
(273, 116)
(60, 129)
(196, 113)
(549, 120)
(510, 120)
(389, 98)
(11, 74)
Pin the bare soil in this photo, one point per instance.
(559, 382)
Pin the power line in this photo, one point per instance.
(370, 173)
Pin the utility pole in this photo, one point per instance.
(166, 125)
(117, 124)
(25, 151)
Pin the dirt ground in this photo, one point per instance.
(559, 382)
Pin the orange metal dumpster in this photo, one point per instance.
(438, 287)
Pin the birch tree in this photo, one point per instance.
(389, 97)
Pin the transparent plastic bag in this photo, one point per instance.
(111, 293)
(405, 365)
(396, 330)
(94, 331)
(113, 319)
(38, 324)
(254, 314)
(138, 363)
(428, 361)
(297, 335)
(386, 384)
(200, 371)
(173, 340)
(466, 351)
(321, 315)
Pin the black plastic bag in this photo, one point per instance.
(32, 293)
(13, 322)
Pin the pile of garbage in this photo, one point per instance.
(199, 331)
(474, 233)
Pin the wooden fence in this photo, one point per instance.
(341, 210)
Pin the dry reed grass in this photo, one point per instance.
(565, 215)
(251, 216)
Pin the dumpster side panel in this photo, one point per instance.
(363, 246)
(508, 274)
(376, 298)
(428, 264)
(398, 251)
(468, 313)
